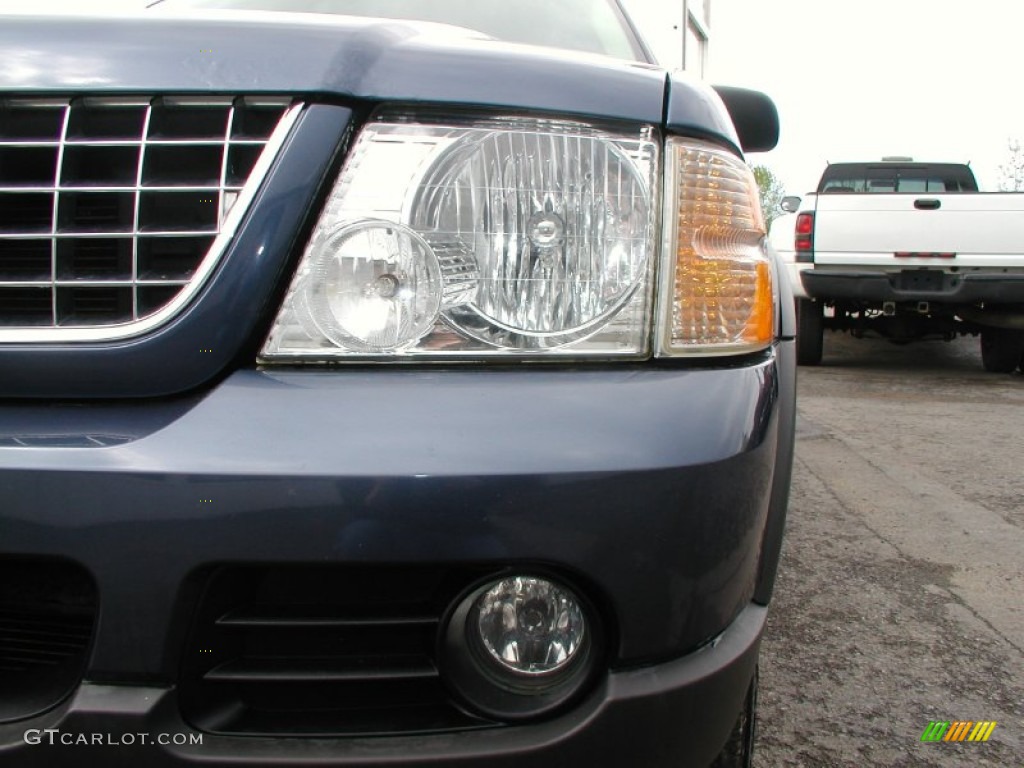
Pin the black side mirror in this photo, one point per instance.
(754, 115)
(790, 204)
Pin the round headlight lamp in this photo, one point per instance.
(519, 647)
(373, 285)
(556, 223)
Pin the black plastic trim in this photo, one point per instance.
(674, 715)
(963, 288)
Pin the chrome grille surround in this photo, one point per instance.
(114, 210)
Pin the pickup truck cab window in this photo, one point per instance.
(860, 178)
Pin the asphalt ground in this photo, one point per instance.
(900, 596)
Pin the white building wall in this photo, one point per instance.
(676, 30)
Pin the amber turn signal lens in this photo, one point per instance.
(717, 293)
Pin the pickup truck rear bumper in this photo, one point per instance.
(914, 285)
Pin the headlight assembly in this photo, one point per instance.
(526, 237)
(529, 238)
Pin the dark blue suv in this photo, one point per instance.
(412, 391)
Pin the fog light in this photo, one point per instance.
(520, 647)
(530, 626)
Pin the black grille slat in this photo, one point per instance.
(25, 212)
(93, 212)
(28, 166)
(179, 211)
(241, 159)
(323, 651)
(361, 669)
(25, 306)
(288, 616)
(47, 619)
(100, 166)
(94, 259)
(25, 259)
(154, 297)
(171, 258)
(255, 123)
(97, 120)
(59, 644)
(36, 122)
(190, 165)
(187, 121)
(129, 191)
(81, 305)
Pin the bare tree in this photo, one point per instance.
(770, 190)
(1011, 173)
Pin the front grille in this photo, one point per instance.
(114, 209)
(322, 651)
(47, 616)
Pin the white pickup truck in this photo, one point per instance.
(906, 250)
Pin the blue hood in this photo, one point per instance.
(370, 60)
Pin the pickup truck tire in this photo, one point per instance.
(810, 332)
(738, 752)
(1001, 349)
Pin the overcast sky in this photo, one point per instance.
(854, 79)
(861, 79)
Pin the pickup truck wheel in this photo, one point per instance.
(738, 751)
(810, 332)
(1001, 349)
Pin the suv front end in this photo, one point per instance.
(402, 397)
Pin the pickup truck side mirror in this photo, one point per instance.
(790, 204)
(754, 115)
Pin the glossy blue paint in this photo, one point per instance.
(694, 108)
(650, 483)
(343, 57)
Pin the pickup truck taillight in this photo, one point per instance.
(804, 241)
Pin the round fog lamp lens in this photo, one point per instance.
(375, 286)
(530, 626)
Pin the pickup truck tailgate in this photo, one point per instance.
(968, 229)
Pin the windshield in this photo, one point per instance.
(595, 26)
(853, 178)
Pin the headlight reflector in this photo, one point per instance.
(556, 224)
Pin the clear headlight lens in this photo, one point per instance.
(373, 286)
(717, 295)
(523, 237)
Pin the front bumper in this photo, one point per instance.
(674, 714)
(650, 485)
